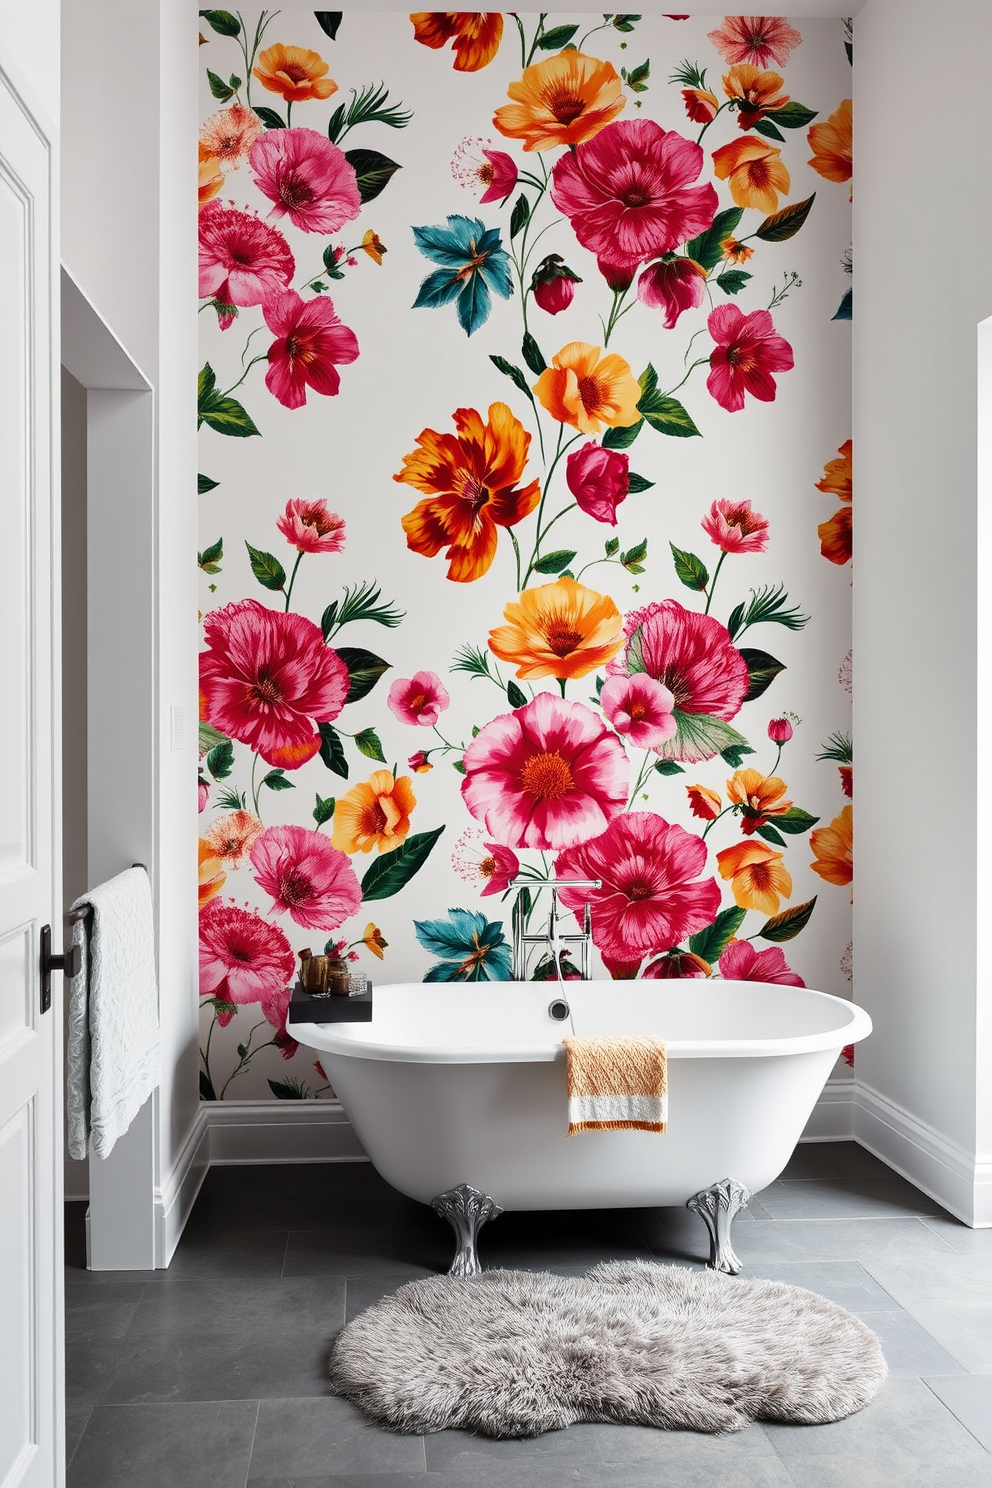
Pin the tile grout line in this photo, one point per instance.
(251, 1446)
(926, 1381)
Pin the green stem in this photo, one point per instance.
(561, 684)
(601, 27)
(205, 1053)
(289, 112)
(715, 820)
(255, 788)
(537, 36)
(619, 295)
(647, 765)
(292, 578)
(714, 119)
(245, 1060)
(516, 550)
(523, 40)
(778, 756)
(244, 374)
(563, 513)
(561, 450)
(716, 575)
(702, 362)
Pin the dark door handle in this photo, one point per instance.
(69, 963)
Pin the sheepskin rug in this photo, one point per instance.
(516, 1353)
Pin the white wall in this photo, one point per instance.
(29, 31)
(923, 208)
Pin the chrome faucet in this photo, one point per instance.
(551, 936)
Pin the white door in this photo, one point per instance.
(31, 1389)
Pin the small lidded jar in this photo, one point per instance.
(338, 976)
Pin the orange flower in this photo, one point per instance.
(561, 629)
(374, 814)
(760, 795)
(232, 835)
(833, 847)
(701, 105)
(372, 940)
(586, 389)
(477, 34)
(211, 176)
(212, 875)
(756, 91)
(755, 171)
(831, 144)
(736, 252)
(373, 245)
(230, 134)
(294, 72)
(703, 802)
(759, 877)
(561, 101)
(470, 481)
(837, 474)
(836, 537)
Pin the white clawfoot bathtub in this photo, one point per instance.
(456, 1084)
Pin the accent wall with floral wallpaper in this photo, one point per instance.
(526, 501)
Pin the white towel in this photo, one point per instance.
(113, 1048)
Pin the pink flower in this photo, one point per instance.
(420, 762)
(311, 527)
(267, 678)
(547, 775)
(202, 794)
(226, 315)
(229, 135)
(755, 39)
(275, 1010)
(740, 962)
(735, 528)
(242, 957)
(553, 284)
(648, 902)
(672, 285)
(640, 708)
(780, 730)
(242, 258)
(598, 478)
(306, 876)
(421, 698)
(474, 165)
(486, 863)
(676, 966)
(307, 178)
(747, 352)
(629, 196)
(310, 342)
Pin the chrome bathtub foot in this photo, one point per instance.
(466, 1209)
(716, 1206)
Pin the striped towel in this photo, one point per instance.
(616, 1084)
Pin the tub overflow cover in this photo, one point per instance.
(559, 1009)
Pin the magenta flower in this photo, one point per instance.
(755, 39)
(420, 762)
(312, 527)
(648, 901)
(306, 877)
(242, 258)
(598, 478)
(503, 177)
(486, 863)
(629, 195)
(311, 343)
(746, 353)
(275, 1010)
(421, 699)
(547, 775)
(202, 794)
(243, 958)
(267, 678)
(639, 708)
(307, 178)
(690, 653)
(474, 164)
(740, 962)
(780, 730)
(735, 527)
(673, 285)
(553, 284)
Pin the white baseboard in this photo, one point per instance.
(280, 1131)
(833, 1115)
(175, 1198)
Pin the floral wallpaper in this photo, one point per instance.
(526, 502)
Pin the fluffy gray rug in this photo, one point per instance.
(515, 1353)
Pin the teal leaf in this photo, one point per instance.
(288, 1090)
(392, 871)
(515, 696)
(845, 310)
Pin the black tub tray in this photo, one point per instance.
(305, 1008)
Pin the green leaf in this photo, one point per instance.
(209, 559)
(733, 281)
(635, 556)
(734, 756)
(669, 767)
(793, 115)
(770, 835)
(699, 737)
(762, 669)
(332, 750)
(795, 822)
(205, 484)
(556, 38)
(220, 760)
(222, 21)
(323, 809)
(459, 766)
(269, 117)
(368, 744)
(612, 547)
(845, 310)
(218, 412)
(787, 925)
(515, 696)
(532, 355)
(364, 670)
(767, 128)
(663, 413)
(513, 373)
(691, 570)
(392, 871)
(210, 737)
(336, 124)
(713, 941)
(329, 619)
(328, 21)
(362, 603)
(637, 78)
(707, 249)
(625, 22)
(207, 1091)
(267, 569)
(368, 105)
(231, 800)
(329, 258)
(276, 780)
(218, 87)
(781, 226)
(637, 483)
(519, 215)
(766, 605)
(553, 563)
(288, 1090)
(622, 438)
(373, 170)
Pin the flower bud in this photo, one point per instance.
(553, 285)
(780, 730)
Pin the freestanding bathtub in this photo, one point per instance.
(457, 1093)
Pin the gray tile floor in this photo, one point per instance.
(212, 1374)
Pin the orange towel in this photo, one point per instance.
(616, 1084)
